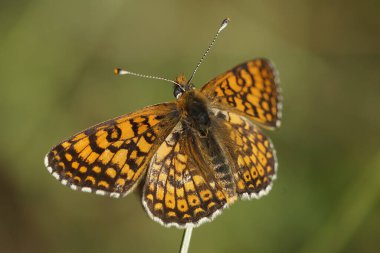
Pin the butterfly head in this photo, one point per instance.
(181, 86)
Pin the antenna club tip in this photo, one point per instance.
(116, 71)
(224, 23)
(119, 71)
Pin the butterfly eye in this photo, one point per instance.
(178, 90)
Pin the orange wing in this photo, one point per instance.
(112, 157)
(251, 154)
(179, 190)
(251, 89)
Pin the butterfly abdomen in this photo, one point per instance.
(219, 164)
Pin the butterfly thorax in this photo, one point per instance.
(193, 107)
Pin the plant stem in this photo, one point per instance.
(186, 239)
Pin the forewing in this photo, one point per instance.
(252, 155)
(251, 89)
(177, 190)
(111, 158)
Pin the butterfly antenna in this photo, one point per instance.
(120, 72)
(222, 26)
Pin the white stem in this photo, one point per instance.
(186, 239)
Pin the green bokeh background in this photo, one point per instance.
(56, 62)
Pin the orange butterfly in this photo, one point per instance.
(195, 156)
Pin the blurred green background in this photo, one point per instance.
(56, 78)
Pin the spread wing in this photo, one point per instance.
(179, 191)
(112, 157)
(251, 154)
(250, 89)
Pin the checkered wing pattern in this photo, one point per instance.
(112, 157)
(251, 89)
(252, 157)
(180, 188)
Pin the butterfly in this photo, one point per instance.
(194, 156)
